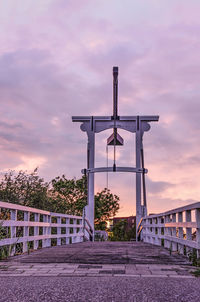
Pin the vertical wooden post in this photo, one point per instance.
(188, 230)
(89, 209)
(44, 232)
(159, 230)
(138, 175)
(26, 232)
(174, 244)
(180, 233)
(197, 216)
(49, 230)
(58, 231)
(36, 231)
(67, 230)
(167, 232)
(13, 216)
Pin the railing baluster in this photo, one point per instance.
(45, 224)
(26, 232)
(13, 216)
(180, 233)
(44, 232)
(67, 231)
(188, 229)
(74, 231)
(197, 217)
(167, 232)
(174, 244)
(173, 222)
(36, 231)
(49, 231)
(59, 231)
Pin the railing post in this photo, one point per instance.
(58, 231)
(180, 233)
(144, 230)
(155, 238)
(13, 216)
(174, 244)
(188, 230)
(67, 230)
(159, 230)
(167, 232)
(74, 231)
(45, 225)
(148, 231)
(26, 232)
(197, 216)
(36, 231)
(151, 230)
(44, 231)
(49, 231)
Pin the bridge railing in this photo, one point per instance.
(24, 228)
(177, 230)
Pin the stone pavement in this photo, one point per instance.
(84, 270)
(142, 271)
(99, 259)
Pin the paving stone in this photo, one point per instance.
(101, 258)
(89, 266)
(143, 272)
(133, 272)
(154, 276)
(105, 272)
(157, 272)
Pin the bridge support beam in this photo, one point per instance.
(138, 137)
(134, 124)
(89, 209)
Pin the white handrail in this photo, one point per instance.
(46, 226)
(177, 229)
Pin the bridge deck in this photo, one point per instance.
(100, 271)
(104, 253)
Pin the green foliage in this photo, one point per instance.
(196, 273)
(61, 195)
(192, 255)
(121, 232)
(68, 196)
(25, 189)
(106, 206)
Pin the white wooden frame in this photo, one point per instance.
(80, 230)
(169, 226)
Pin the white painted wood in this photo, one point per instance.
(59, 231)
(46, 226)
(26, 231)
(36, 230)
(13, 217)
(172, 240)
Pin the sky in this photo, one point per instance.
(56, 59)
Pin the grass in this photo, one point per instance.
(196, 273)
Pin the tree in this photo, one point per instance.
(121, 232)
(68, 195)
(25, 189)
(106, 206)
(61, 195)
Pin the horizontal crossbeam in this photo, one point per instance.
(146, 118)
(116, 169)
